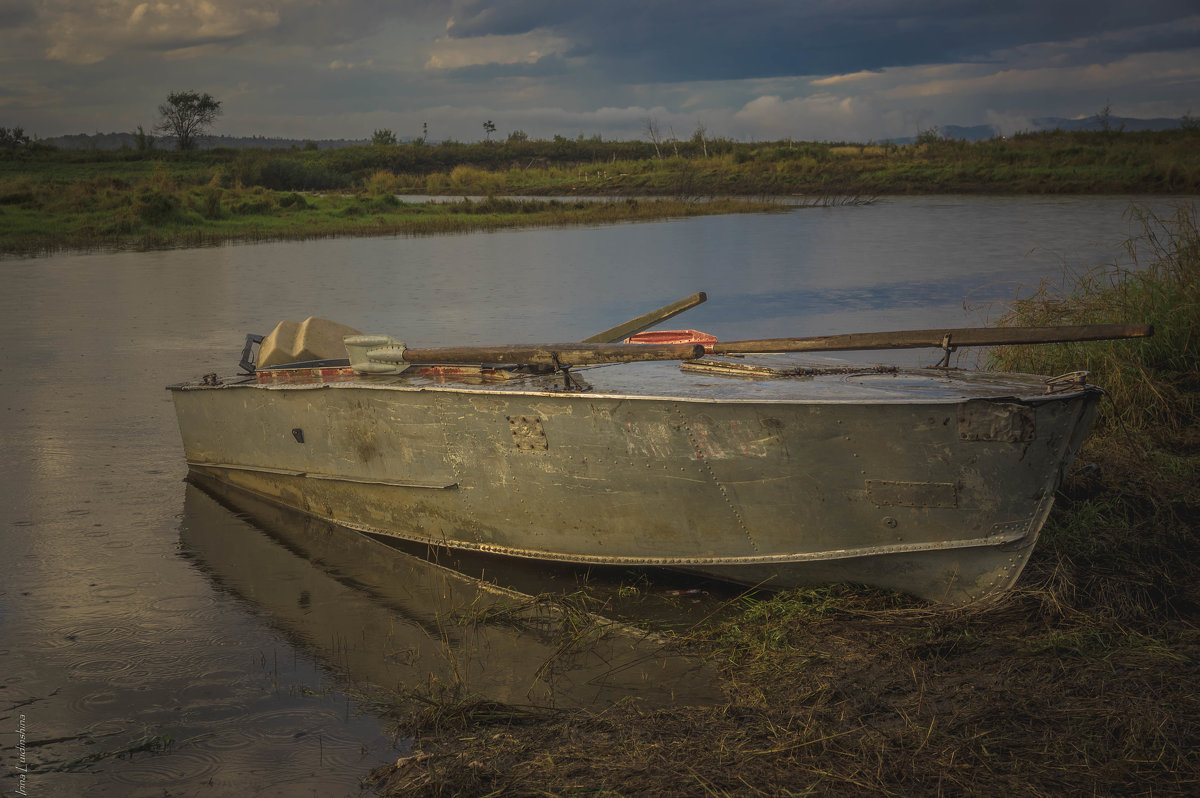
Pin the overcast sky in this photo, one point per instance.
(844, 70)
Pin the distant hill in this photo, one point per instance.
(116, 141)
(982, 132)
(1114, 123)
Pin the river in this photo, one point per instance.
(152, 637)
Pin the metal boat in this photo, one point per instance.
(775, 470)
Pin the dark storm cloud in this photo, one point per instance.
(719, 40)
(16, 14)
(342, 21)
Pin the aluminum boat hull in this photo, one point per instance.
(925, 481)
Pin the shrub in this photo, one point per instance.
(294, 201)
(252, 206)
(210, 202)
(381, 182)
(156, 207)
(287, 174)
(387, 202)
(17, 192)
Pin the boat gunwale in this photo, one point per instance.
(914, 399)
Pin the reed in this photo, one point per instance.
(1153, 383)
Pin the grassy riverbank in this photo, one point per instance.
(161, 212)
(1080, 681)
(82, 199)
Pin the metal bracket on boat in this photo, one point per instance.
(246, 363)
(569, 383)
(948, 349)
(1071, 381)
(376, 354)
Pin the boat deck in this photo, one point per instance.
(771, 378)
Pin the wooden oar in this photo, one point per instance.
(946, 339)
(646, 320)
(555, 354)
(380, 354)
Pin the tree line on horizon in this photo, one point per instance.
(186, 119)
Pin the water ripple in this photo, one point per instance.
(191, 765)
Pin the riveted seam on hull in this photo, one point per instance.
(453, 458)
(704, 465)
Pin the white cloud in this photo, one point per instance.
(822, 117)
(1136, 70)
(86, 33)
(839, 80)
(348, 65)
(525, 48)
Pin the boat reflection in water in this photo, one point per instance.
(387, 618)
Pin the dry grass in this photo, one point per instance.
(1025, 696)
(1080, 682)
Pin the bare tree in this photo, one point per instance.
(1104, 117)
(650, 126)
(143, 140)
(187, 115)
(701, 137)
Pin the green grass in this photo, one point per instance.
(1051, 162)
(163, 210)
(1154, 383)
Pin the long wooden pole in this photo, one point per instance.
(646, 320)
(571, 354)
(948, 338)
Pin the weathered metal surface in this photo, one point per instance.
(886, 493)
(528, 434)
(862, 476)
(982, 420)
